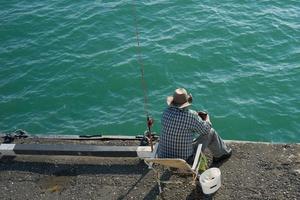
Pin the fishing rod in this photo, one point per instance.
(149, 120)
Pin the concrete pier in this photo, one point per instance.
(255, 171)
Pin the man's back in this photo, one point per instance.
(177, 133)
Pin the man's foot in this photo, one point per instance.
(223, 157)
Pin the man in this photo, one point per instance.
(179, 126)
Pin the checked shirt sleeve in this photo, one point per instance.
(199, 126)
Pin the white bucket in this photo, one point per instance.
(210, 180)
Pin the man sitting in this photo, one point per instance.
(180, 124)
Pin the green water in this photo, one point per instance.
(70, 67)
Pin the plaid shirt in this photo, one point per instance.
(177, 133)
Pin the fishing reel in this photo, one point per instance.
(149, 136)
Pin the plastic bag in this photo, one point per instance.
(202, 163)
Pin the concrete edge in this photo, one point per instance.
(122, 137)
(76, 150)
(253, 142)
(78, 137)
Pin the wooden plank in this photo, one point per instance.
(171, 162)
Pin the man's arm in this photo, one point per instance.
(201, 126)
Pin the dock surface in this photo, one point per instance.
(255, 171)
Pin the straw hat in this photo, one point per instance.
(180, 98)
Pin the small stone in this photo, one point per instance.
(297, 171)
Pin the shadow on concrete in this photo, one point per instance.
(8, 163)
(62, 173)
(58, 175)
(197, 194)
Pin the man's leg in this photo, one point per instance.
(213, 142)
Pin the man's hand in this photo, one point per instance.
(207, 118)
(203, 115)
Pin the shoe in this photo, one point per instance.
(223, 157)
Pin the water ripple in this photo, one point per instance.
(71, 67)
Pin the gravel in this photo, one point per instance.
(254, 171)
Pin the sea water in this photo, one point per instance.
(73, 67)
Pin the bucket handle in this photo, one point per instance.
(213, 186)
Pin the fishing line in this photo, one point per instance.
(139, 59)
(150, 121)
